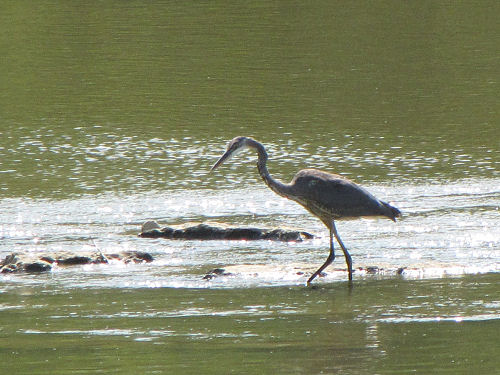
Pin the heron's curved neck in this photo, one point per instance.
(276, 186)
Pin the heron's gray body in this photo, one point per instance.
(333, 197)
(328, 196)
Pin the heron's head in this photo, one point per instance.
(233, 146)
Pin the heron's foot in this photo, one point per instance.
(309, 281)
(316, 274)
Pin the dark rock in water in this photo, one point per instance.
(216, 272)
(132, 257)
(37, 267)
(138, 256)
(208, 232)
(16, 263)
(372, 269)
(27, 262)
(74, 260)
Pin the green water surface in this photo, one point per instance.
(379, 327)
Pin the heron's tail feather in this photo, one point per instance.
(391, 212)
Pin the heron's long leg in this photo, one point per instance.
(329, 260)
(348, 259)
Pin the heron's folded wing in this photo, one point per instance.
(318, 190)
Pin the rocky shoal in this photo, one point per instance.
(151, 229)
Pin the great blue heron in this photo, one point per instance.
(328, 196)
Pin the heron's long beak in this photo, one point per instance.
(223, 158)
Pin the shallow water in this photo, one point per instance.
(440, 314)
(456, 233)
(379, 326)
(112, 114)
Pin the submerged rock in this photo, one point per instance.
(16, 263)
(209, 232)
(78, 260)
(132, 257)
(149, 226)
(215, 273)
(27, 262)
(300, 272)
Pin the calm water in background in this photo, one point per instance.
(112, 114)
